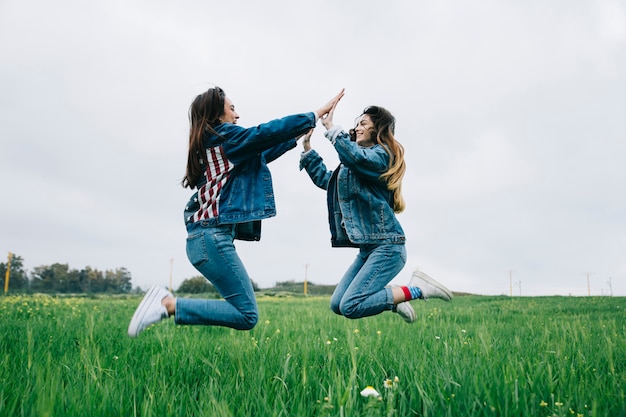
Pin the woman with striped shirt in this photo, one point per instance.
(227, 166)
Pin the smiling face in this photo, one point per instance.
(365, 132)
(230, 115)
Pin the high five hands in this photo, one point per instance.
(326, 110)
(325, 114)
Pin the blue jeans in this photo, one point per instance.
(361, 292)
(211, 251)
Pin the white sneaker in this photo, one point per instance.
(405, 310)
(150, 310)
(429, 287)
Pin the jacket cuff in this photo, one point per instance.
(306, 157)
(332, 133)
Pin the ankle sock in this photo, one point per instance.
(411, 293)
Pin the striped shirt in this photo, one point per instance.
(218, 169)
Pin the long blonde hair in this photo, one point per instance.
(384, 125)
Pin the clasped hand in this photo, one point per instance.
(325, 114)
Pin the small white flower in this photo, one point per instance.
(369, 391)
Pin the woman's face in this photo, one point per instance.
(230, 115)
(364, 131)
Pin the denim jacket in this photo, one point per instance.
(360, 207)
(237, 185)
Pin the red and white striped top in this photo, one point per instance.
(218, 169)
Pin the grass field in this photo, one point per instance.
(475, 356)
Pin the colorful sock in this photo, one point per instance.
(411, 293)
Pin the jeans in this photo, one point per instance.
(361, 292)
(211, 251)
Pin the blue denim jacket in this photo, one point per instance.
(245, 194)
(360, 207)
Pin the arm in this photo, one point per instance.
(277, 151)
(314, 164)
(369, 163)
(241, 143)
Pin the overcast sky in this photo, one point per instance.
(511, 114)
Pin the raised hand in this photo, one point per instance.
(327, 120)
(326, 108)
(306, 142)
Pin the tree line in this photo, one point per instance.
(60, 278)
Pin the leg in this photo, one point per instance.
(366, 295)
(150, 311)
(212, 253)
(345, 282)
(421, 286)
(429, 287)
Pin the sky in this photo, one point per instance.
(511, 114)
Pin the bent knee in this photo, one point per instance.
(249, 320)
(350, 310)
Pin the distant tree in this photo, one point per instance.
(60, 275)
(43, 279)
(199, 285)
(118, 281)
(18, 279)
(72, 283)
(59, 278)
(196, 285)
(54, 278)
(94, 280)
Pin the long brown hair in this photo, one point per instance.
(385, 125)
(204, 115)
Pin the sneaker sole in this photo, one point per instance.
(133, 327)
(434, 283)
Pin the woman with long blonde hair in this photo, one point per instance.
(363, 195)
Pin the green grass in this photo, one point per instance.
(475, 356)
